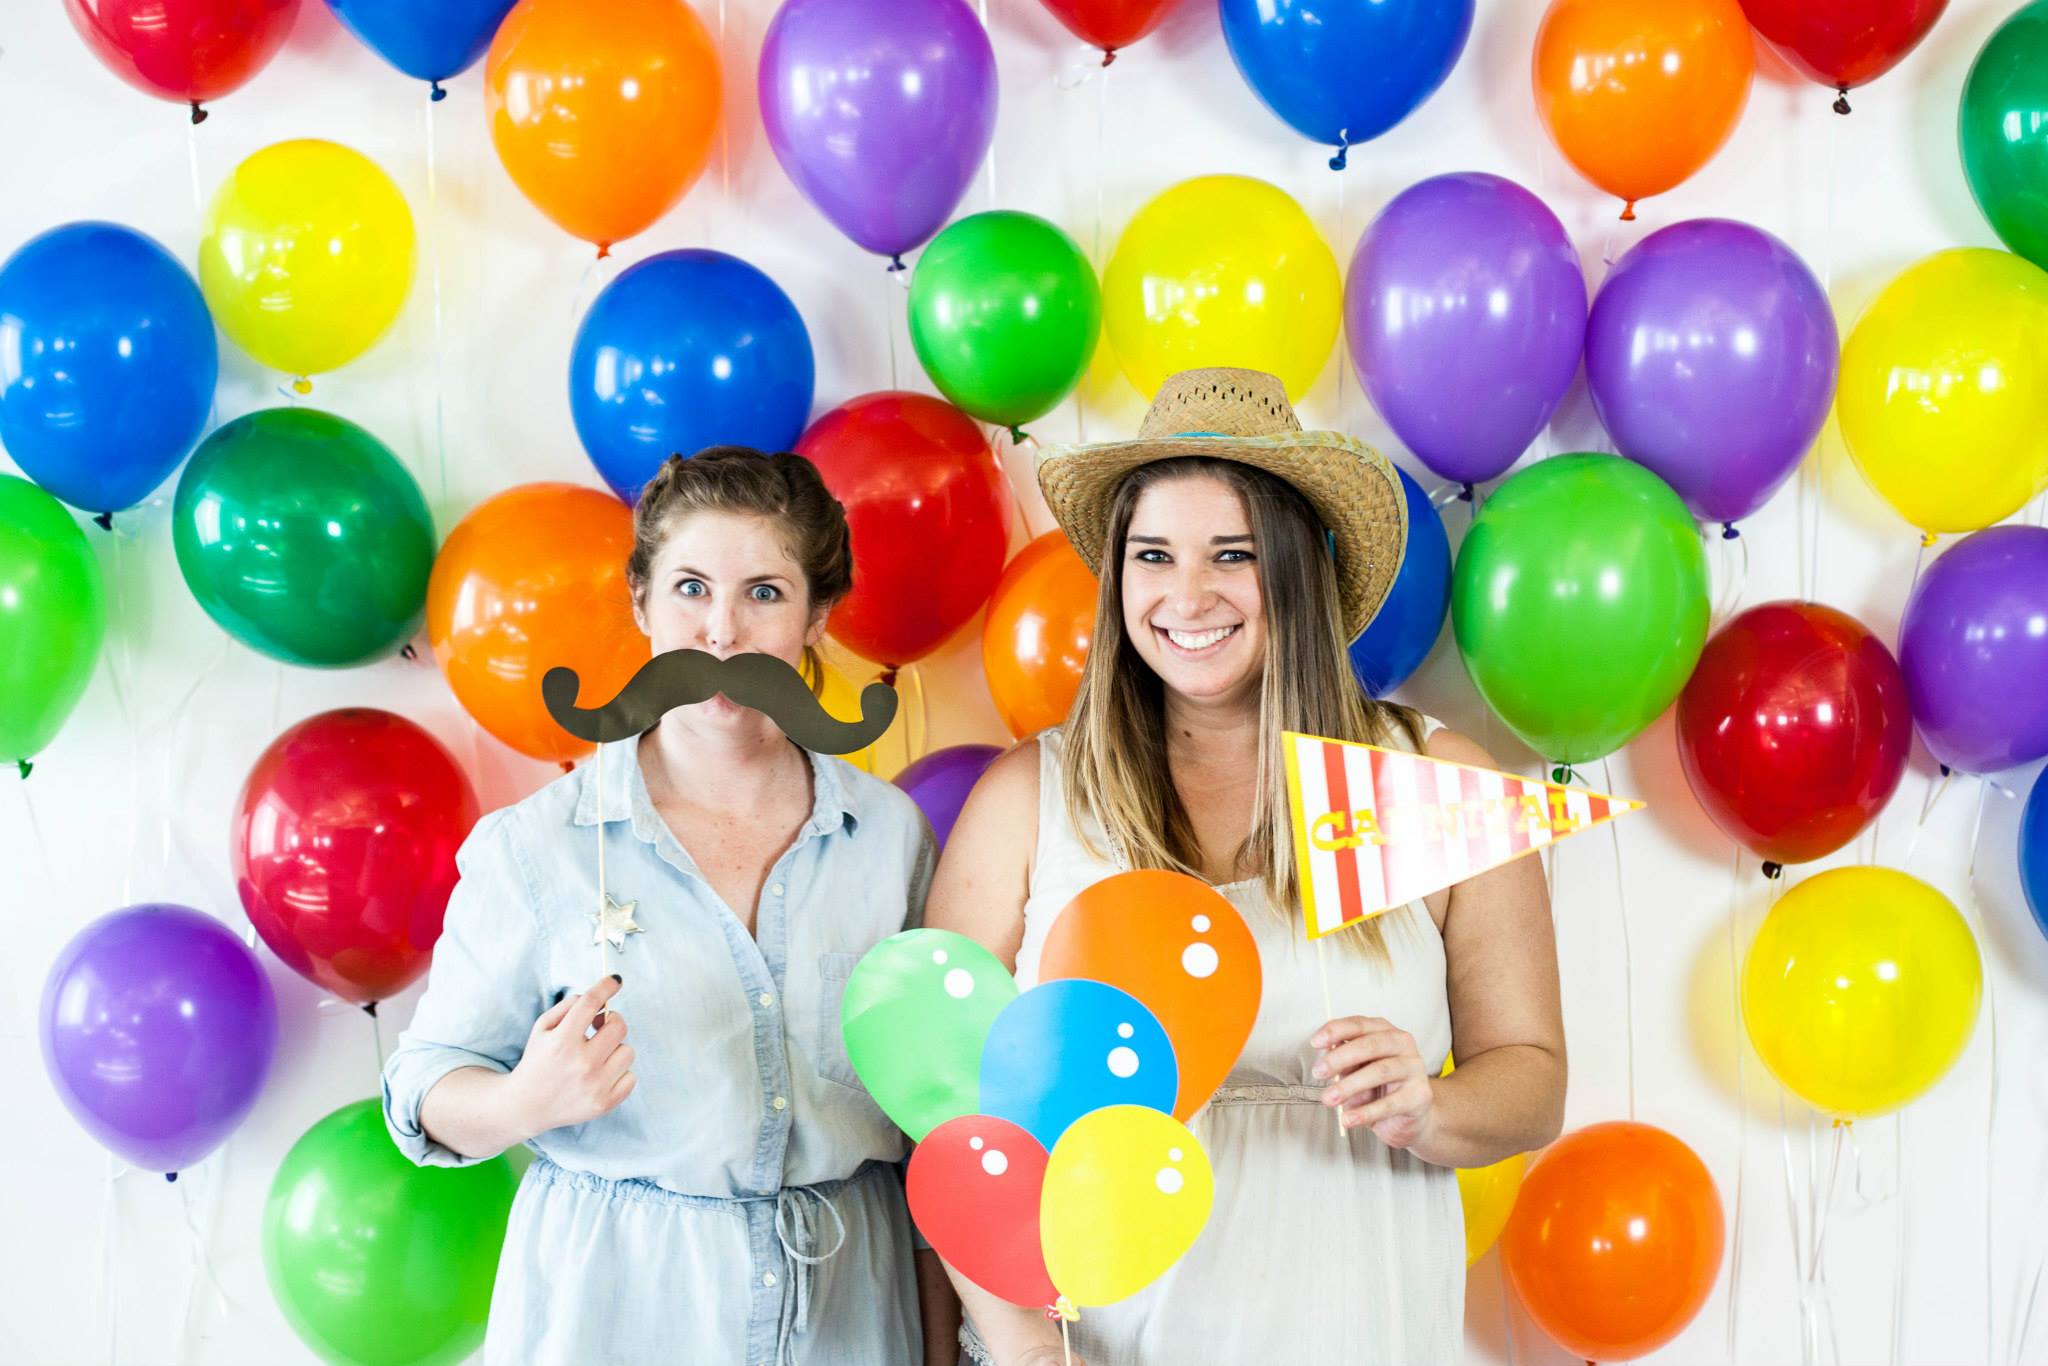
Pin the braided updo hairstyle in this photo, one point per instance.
(786, 489)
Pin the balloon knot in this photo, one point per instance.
(1628, 212)
(1108, 55)
(1927, 538)
(1842, 99)
(1728, 532)
(436, 93)
(1018, 436)
(170, 1176)
(407, 652)
(888, 678)
(1773, 870)
(1343, 157)
(103, 520)
(198, 116)
(568, 767)
(302, 386)
(604, 249)
(370, 1009)
(1465, 493)
(1944, 770)
(1063, 1309)
(896, 263)
(25, 766)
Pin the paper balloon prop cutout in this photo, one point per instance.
(1175, 944)
(1127, 1191)
(1378, 828)
(1065, 1049)
(917, 1010)
(679, 678)
(975, 1184)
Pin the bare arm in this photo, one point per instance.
(1507, 1026)
(983, 881)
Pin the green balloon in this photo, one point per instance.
(374, 1261)
(917, 1009)
(2002, 125)
(53, 616)
(1580, 603)
(1004, 313)
(303, 536)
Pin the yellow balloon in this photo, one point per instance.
(307, 255)
(1943, 396)
(1861, 989)
(1127, 1191)
(1222, 270)
(840, 696)
(1488, 1195)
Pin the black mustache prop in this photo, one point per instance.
(677, 678)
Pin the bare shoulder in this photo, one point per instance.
(984, 874)
(1458, 748)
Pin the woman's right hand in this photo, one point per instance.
(566, 1078)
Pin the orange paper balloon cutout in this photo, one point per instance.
(603, 113)
(533, 578)
(1182, 950)
(1639, 94)
(1035, 640)
(1615, 1240)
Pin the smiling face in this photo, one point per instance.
(726, 583)
(1193, 608)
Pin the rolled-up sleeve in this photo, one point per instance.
(483, 987)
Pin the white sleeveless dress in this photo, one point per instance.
(1324, 1249)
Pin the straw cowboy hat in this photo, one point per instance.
(1243, 415)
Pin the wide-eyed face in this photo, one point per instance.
(725, 583)
(1193, 607)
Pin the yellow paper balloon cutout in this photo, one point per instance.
(307, 255)
(1222, 270)
(1487, 1195)
(1943, 396)
(1127, 1191)
(1861, 990)
(840, 696)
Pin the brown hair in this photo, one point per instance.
(785, 489)
(1116, 771)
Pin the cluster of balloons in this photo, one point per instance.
(1053, 1162)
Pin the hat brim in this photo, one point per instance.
(1354, 489)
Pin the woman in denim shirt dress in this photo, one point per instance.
(714, 1186)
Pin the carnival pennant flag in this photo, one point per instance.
(1377, 828)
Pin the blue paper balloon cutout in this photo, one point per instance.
(1412, 617)
(1064, 1049)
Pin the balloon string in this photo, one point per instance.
(1937, 788)
(1815, 1313)
(110, 1256)
(889, 322)
(277, 701)
(917, 732)
(1898, 1314)
(1343, 338)
(176, 727)
(434, 275)
(2019, 1341)
(201, 1262)
(1971, 912)
(1798, 1234)
(724, 122)
(1741, 1102)
(1628, 968)
(376, 1034)
(1827, 284)
(982, 6)
(121, 675)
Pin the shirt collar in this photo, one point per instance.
(625, 798)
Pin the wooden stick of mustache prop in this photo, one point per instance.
(677, 678)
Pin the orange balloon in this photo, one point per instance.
(531, 579)
(602, 112)
(1035, 639)
(1615, 1240)
(1177, 945)
(1638, 94)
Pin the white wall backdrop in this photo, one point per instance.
(1933, 1246)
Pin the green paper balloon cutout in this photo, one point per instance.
(1580, 603)
(917, 1009)
(376, 1262)
(1004, 314)
(304, 538)
(53, 618)
(2002, 130)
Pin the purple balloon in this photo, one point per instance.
(940, 781)
(158, 1029)
(880, 110)
(1974, 645)
(1466, 309)
(1710, 355)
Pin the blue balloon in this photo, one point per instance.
(1345, 71)
(684, 350)
(1067, 1048)
(1401, 636)
(2034, 852)
(429, 40)
(107, 363)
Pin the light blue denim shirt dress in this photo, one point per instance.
(741, 1207)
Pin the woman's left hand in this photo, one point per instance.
(1376, 1075)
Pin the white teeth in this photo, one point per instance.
(1198, 640)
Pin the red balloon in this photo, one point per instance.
(928, 510)
(344, 848)
(1615, 1240)
(1794, 729)
(1843, 43)
(185, 51)
(1110, 24)
(974, 1185)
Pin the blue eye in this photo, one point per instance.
(1235, 557)
(693, 588)
(1152, 557)
(765, 592)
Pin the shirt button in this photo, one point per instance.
(781, 1103)
(767, 999)
(776, 889)
(768, 1278)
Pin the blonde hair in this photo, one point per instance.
(1116, 776)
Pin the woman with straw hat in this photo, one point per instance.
(1236, 556)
